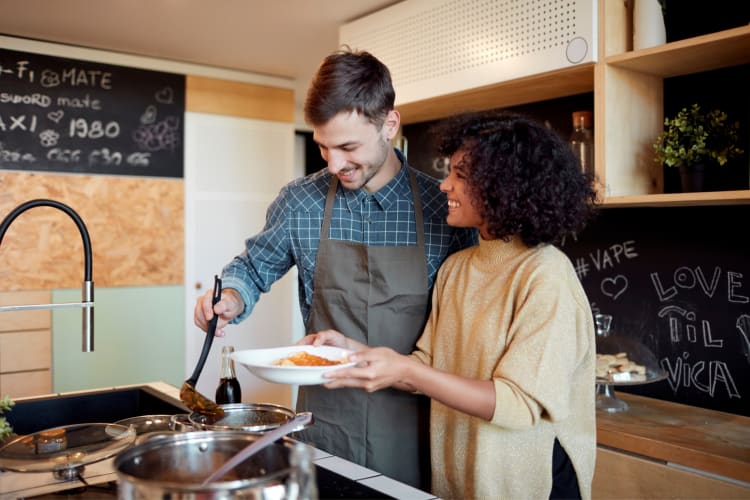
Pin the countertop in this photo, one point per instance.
(15, 484)
(688, 436)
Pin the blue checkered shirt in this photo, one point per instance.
(384, 218)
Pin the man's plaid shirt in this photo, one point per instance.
(292, 231)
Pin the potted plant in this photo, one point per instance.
(695, 140)
(5, 429)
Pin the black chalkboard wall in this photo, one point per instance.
(677, 280)
(66, 115)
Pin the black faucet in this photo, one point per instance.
(87, 302)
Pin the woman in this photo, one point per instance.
(508, 352)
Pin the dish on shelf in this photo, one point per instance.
(647, 378)
(263, 363)
(621, 360)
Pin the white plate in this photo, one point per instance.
(260, 364)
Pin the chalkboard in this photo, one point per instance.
(677, 280)
(65, 115)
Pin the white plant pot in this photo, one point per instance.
(648, 24)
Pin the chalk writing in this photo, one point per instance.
(615, 254)
(685, 278)
(675, 327)
(680, 373)
(680, 301)
(68, 115)
(614, 287)
(743, 326)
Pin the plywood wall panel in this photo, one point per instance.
(136, 225)
(246, 100)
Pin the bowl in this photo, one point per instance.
(260, 362)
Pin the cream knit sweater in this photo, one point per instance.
(518, 316)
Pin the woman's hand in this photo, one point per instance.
(377, 368)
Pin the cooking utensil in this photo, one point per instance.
(298, 423)
(256, 418)
(194, 400)
(173, 466)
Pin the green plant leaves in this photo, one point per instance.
(696, 137)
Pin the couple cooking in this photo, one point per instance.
(473, 337)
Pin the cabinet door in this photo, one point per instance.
(619, 475)
(25, 346)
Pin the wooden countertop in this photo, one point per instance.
(706, 440)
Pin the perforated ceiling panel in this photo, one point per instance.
(437, 47)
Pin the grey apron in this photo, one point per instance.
(376, 295)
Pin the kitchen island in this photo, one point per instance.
(337, 478)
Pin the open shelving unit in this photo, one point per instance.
(628, 104)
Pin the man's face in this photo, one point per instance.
(356, 150)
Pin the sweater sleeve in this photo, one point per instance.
(534, 376)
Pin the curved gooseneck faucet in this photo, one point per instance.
(87, 302)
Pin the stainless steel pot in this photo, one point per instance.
(174, 465)
(246, 417)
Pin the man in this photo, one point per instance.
(367, 235)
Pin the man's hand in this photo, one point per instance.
(229, 307)
(331, 337)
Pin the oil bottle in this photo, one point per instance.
(228, 390)
(582, 140)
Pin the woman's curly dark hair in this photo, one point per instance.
(523, 177)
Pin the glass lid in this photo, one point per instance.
(621, 360)
(67, 447)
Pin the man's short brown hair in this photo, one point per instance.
(348, 81)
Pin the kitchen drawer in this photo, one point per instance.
(624, 476)
(36, 319)
(25, 384)
(23, 351)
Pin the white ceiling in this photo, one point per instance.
(283, 38)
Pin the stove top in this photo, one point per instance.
(330, 485)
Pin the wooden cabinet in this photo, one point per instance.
(620, 475)
(628, 104)
(660, 449)
(25, 346)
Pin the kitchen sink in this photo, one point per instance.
(106, 406)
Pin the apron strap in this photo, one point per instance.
(418, 216)
(326, 227)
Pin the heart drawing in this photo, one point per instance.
(614, 287)
(165, 96)
(55, 116)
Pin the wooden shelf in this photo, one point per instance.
(680, 199)
(693, 55)
(551, 85)
(627, 89)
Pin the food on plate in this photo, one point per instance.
(618, 368)
(304, 358)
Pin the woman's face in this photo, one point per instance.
(461, 211)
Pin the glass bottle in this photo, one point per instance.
(228, 390)
(582, 140)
